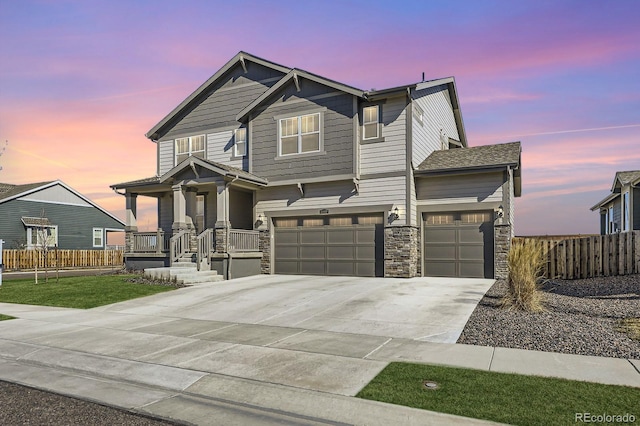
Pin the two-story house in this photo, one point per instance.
(620, 210)
(278, 170)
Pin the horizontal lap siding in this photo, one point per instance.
(390, 154)
(220, 148)
(438, 114)
(75, 223)
(334, 194)
(337, 134)
(471, 188)
(165, 153)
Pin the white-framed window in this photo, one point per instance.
(38, 236)
(625, 211)
(240, 142)
(98, 237)
(370, 121)
(298, 135)
(190, 146)
(611, 222)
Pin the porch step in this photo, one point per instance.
(183, 273)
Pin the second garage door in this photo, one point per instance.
(458, 244)
(329, 245)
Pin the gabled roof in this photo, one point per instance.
(478, 158)
(12, 192)
(621, 178)
(238, 58)
(137, 182)
(294, 74)
(221, 169)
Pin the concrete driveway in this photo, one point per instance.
(315, 334)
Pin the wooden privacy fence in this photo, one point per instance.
(27, 259)
(587, 257)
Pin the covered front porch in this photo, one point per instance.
(205, 215)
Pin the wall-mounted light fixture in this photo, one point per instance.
(260, 220)
(395, 215)
(500, 212)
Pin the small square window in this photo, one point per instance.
(191, 146)
(370, 121)
(240, 142)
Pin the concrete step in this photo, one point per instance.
(183, 274)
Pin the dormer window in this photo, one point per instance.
(190, 146)
(370, 121)
(240, 142)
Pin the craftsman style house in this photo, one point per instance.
(55, 214)
(620, 210)
(270, 169)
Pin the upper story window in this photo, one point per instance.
(625, 211)
(418, 113)
(240, 142)
(370, 121)
(190, 146)
(298, 135)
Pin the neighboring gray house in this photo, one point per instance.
(52, 211)
(278, 170)
(620, 210)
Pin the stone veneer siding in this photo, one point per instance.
(502, 236)
(221, 237)
(401, 253)
(264, 245)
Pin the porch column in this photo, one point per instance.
(131, 223)
(222, 223)
(190, 206)
(179, 209)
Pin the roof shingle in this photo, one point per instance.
(477, 157)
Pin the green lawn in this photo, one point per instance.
(76, 292)
(5, 317)
(507, 398)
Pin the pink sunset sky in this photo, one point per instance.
(82, 81)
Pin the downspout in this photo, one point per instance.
(228, 184)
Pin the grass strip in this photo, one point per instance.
(506, 398)
(5, 317)
(77, 292)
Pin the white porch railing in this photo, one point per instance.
(179, 245)
(206, 244)
(241, 240)
(150, 242)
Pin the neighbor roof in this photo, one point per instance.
(622, 178)
(478, 157)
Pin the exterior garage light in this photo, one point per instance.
(500, 212)
(395, 215)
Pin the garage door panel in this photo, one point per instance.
(471, 252)
(470, 234)
(440, 252)
(440, 235)
(367, 269)
(286, 267)
(286, 252)
(341, 253)
(312, 267)
(363, 236)
(340, 268)
(365, 252)
(287, 236)
(472, 269)
(312, 236)
(312, 252)
(340, 236)
(440, 269)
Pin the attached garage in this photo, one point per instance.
(458, 244)
(351, 245)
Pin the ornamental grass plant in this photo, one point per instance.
(525, 263)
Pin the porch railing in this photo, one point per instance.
(179, 245)
(150, 242)
(206, 243)
(241, 240)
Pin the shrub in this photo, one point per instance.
(526, 263)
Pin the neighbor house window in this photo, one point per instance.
(625, 211)
(98, 237)
(370, 121)
(611, 222)
(41, 236)
(418, 113)
(240, 142)
(191, 146)
(299, 134)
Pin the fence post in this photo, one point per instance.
(1, 264)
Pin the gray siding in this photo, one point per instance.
(165, 156)
(225, 99)
(56, 194)
(471, 188)
(241, 209)
(635, 201)
(617, 213)
(331, 195)
(220, 147)
(165, 210)
(75, 223)
(337, 133)
(438, 114)
(389, 154)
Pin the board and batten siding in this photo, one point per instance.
(437, 115)
(222, 102)
(389, 154)
(75, 223)
(336, 156)
(332, 195)
(470, 188)
(56, 194)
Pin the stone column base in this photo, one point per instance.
(264, 244)
(401, 254)
(502, 239)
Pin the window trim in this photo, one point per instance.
(32, 229)
(93, 237)
(418, 113)
(299, 135)
(625, 217)
(377, 122)
(190, 150)
(235, 143)
(611, 224)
